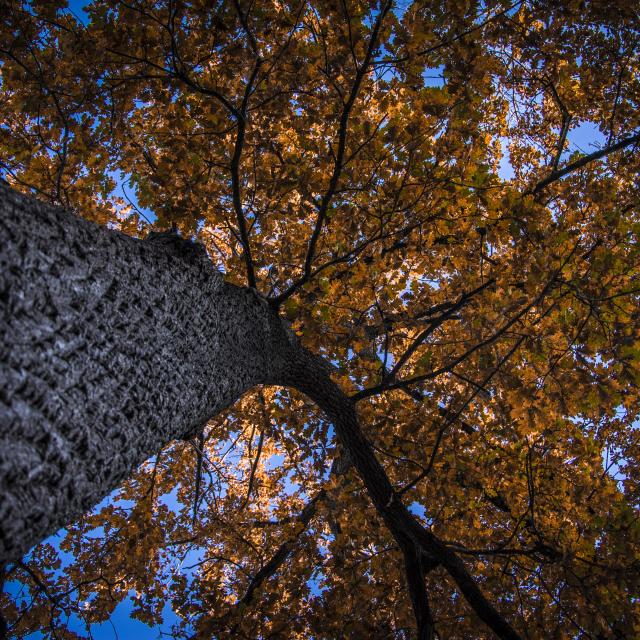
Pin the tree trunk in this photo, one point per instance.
(110, 347)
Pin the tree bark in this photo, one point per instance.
(110, 347)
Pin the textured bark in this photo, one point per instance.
(110, 347)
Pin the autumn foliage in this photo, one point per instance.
(402, 181)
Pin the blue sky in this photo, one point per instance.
(77, 7)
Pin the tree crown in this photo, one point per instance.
(403, 183)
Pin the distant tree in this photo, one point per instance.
(371, 228)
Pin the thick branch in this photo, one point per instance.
(311, 376)
(419, 598)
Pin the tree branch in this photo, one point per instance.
(339, 160)
(268, 569)
(455, 38)
(578, 164)
(415, 573)
(235, 177)
(256, 460)
(435, 323)
(400, 384)
(310, 375)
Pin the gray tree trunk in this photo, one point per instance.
(110, 347)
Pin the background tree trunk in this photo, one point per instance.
(110, 347)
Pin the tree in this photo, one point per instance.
(435, 367)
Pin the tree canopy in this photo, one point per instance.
(399, 181)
